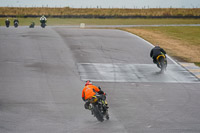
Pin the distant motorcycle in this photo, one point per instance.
(16, 24)
(162, 62)
(32, 25)
(99, 108)
(7, 22)
(43, 21)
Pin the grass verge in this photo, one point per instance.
(197, 63)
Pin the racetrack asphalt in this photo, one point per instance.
(42, 73)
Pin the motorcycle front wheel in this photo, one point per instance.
(97, 113)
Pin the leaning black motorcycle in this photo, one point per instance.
(32, 25)
(162, 62)
(16, 24)
(99, 107)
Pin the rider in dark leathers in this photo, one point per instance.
(155, 52)
(7, 22)
(16, 21)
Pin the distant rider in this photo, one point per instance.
(155, 52)
(7, 22)
(32, 25)
(16, 20)
(43, 19)
(88, 91)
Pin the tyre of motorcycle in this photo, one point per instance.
(43, 25)
(7, 24)
(97, 113)
(16, 25)
(163, 64)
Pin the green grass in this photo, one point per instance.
(191, 35)
(197, 63)
(77, 21)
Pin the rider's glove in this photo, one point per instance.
(101, 92)
(83, 99)
(99, 88)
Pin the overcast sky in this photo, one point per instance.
(103, 3)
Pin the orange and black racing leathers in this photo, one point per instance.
(88, 92)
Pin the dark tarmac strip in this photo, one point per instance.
(42, 73)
